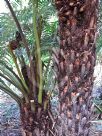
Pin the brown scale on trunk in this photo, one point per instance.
(36, 119)
(77, 30)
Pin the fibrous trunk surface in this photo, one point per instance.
(75, 64)
(35, 121)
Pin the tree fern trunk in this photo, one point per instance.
(75, 64)
(35, 121)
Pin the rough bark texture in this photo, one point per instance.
(75, 64)
(35, 121)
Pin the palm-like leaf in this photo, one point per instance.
(10, 76)
(9, 91)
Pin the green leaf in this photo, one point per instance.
(8, 90)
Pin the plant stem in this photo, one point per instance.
(97, 107)
(18, 70)
(38, 51)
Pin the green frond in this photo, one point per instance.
(11, 77)
(10, 92)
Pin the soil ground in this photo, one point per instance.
(9, 116)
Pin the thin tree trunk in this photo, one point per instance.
(75, 64)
